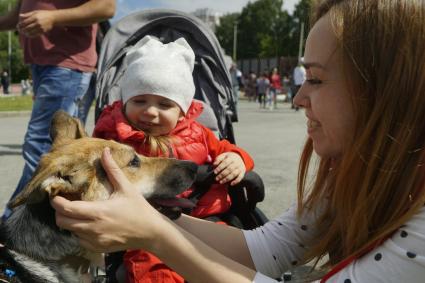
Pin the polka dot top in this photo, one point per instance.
(280, 244)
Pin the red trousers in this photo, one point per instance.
(144, 267)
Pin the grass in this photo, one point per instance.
(16, 103)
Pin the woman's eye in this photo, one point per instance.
(139, 102)
(313, 81)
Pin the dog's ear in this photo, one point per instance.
(64, 127)
(32, 193)
(44, 184)
(52, 178)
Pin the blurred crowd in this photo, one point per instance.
(268, 87)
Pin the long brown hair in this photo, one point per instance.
(378, 183)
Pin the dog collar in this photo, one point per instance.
(6, 270)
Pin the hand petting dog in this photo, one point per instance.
(111, 225)
(229, 167)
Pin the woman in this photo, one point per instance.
(364, 99)
(275, 87)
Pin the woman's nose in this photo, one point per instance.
(301, 99)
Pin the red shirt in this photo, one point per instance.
(69, 47)
(275, 81)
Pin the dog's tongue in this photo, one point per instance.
(175, 202)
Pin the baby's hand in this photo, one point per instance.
(229, 166)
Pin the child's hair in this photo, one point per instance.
(160, 145)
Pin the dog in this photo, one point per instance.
(34, 249)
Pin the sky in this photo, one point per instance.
(125, 7)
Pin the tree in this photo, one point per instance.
(19, 69)
(264, 29)
(261, 27)
(301, 15)
(225, 30)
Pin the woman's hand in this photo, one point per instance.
(229, 167)
(124, 221)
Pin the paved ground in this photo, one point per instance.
(274, 139)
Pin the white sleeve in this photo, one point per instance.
(281, 243)
(261, 278)
(401, 258)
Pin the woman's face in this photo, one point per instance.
(153, 114)
(324, 95)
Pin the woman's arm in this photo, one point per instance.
(196, 261)
(227, 240)
(116, 224)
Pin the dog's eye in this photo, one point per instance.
(135, 162)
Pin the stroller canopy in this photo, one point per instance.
(211, 77)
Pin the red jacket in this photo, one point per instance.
(196, 143)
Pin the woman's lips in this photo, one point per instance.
(312, 125)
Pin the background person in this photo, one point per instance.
(5, 82)
(364, 206)
(263, 85)
(251, 86)
(58, 39)
(299, 78)
(275, 87)
(236, 80)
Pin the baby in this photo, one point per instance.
(157, 117)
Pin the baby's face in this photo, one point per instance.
(153, 114)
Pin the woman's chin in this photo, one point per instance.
(326, 150)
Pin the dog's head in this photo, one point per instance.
(73, 169)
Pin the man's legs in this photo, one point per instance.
(235, 93)
(294, 93)
(54, 88)
(87, 100)
(272, 99)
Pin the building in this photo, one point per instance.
(208, 16)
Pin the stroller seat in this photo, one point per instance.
(212, 87)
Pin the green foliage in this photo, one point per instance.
(225, 30)
(301, 15)
(16, 103)
(264, 29)
(19, 69)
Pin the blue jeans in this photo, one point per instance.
(54, 88)
(272, 98)
(87, 100)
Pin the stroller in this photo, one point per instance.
(213, 88)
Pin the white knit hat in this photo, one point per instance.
(160, 69)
